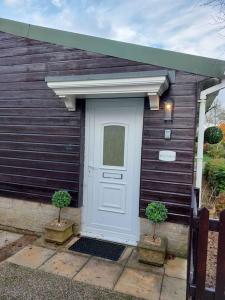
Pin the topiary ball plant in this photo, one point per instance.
(213, 135)
(61, 199)
(156, 212)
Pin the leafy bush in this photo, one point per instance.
(156, 212)
(61, 199)
(205, 148)
(215, 174)
(222, 127)
(213, 135)
(216, 151)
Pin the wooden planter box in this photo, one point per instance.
(152, 253)
(59, 234)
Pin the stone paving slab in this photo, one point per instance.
(31, 256)
(71, 242)
(134, 263)
(127, 276)
(140, 284)
(7, 238)
(100, 272)
(176, 267)
(125, 256)
(173, 289)
(64, 264)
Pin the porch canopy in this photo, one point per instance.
(151, 84)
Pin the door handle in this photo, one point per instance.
(91, 170)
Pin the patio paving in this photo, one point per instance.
(173, 289)
(176, 268)
(140, 284)
(100, 272)
(7, 238)
(31, 256)
(126, 276)
(64, 264)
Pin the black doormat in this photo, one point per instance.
(98, 248)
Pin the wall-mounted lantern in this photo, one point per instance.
(168, 110)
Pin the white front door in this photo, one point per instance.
(113, 139)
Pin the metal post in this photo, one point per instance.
(200, 147)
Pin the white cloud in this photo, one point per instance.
(57, 3)
(11, 2)
(14, 2)
(123, 33)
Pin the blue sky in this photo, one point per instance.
(180, 25)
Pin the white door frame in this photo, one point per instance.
(137, 166)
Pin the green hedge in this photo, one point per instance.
(215, 174)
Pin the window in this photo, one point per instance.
(113, 145)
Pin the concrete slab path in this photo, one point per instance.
(7, 238)
(126, 276)
(64, 264)
(31, 256)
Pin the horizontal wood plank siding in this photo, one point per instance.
(170, 182)
(41, 141)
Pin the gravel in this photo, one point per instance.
(17, 282)
(211, 259)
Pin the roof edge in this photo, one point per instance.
(170, 74)
(165, 58)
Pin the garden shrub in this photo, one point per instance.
(222, 127)
(215, 174)
(205, 148)
(213, 135)
(215, 151)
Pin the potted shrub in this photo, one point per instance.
(152, 248)
(59, 230)
(213, 135)
(156, 213)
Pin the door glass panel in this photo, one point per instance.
(113, 145)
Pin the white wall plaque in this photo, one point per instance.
(167, 155)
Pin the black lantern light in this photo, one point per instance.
(168, 110)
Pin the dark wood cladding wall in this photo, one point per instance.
(41, 142)
(170, 182)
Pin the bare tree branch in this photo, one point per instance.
(216, 112)
(220, 6)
